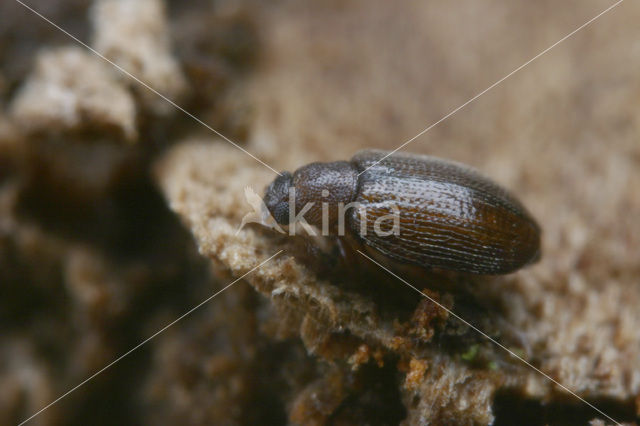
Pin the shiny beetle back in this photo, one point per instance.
(451, 217)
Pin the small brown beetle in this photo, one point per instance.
(445, 215)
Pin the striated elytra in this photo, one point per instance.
(443, 214)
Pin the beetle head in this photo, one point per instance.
(276, 198)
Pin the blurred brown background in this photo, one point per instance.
(104, 185)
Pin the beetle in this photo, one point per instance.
(447, 215)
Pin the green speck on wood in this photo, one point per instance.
(471, 353)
